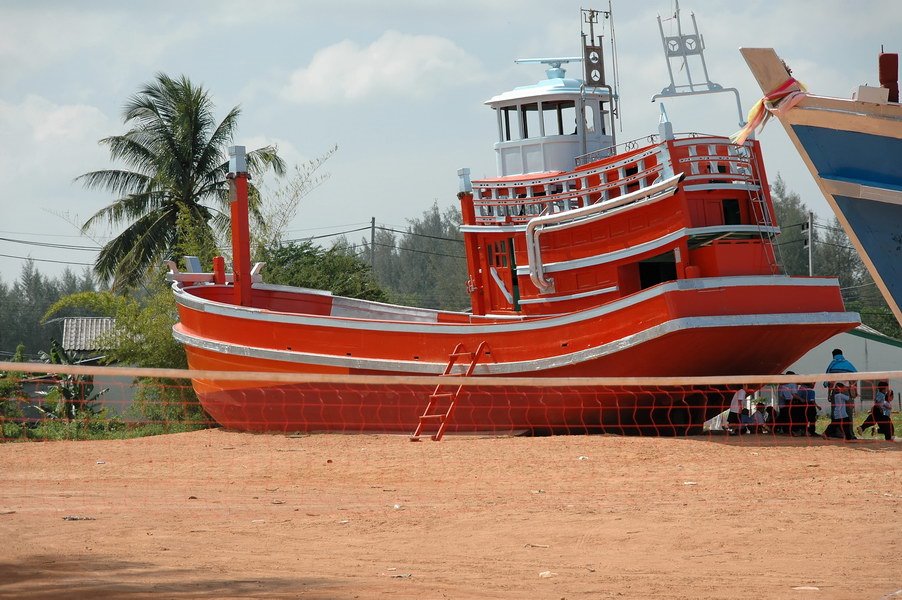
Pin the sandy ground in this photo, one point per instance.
(214, 514)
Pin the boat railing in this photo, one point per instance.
(518, 201)
(705, 160)
(191, 278)
(595, 155)
(523, 207)
(577, 218)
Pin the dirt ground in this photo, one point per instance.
(214, 514)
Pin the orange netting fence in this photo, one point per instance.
(55, 402)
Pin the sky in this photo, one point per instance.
(397, 85)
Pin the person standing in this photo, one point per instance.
(787, 399)
(842, 422)
(839, 364)
(808, 396)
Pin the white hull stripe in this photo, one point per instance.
(840, 187)
(607, 290)
(531, 366)
(537, 324)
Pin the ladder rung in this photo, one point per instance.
(435, 417)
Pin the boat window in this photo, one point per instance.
(559, 117)
(530, 124)
(497, 254)
(590, 118)
(506, 122)
(731, 213)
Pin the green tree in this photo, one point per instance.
(426, 265)
(337, 269)
(23, 303)
(142, 337)
(835, 256)
(175, 157)
(791, 214)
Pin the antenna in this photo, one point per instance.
(554, 70)
(593, 60)
(680, 48)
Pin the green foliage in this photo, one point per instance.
(176, 162)
(23, 303)
(70, 394)
(791, 214)
(143, 337)
(167, 401)
(425, 266)
(337, 269)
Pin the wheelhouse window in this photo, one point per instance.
(559, 118)
(530, 125)
(508, 116)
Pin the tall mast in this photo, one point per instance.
(680, 48)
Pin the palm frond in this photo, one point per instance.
(261, 159)
(141, 246)
(133, 206)
(117, 181)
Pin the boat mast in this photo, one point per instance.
(680, 47)
(241, 239)
(593, 67)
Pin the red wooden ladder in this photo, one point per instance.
(441, 404)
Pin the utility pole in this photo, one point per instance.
(373, 244)
(810, 245)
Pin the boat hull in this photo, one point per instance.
(852, 150)
(678, 344)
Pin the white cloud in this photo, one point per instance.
(45, 132)
(396, 64)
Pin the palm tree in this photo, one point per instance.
(176, 165)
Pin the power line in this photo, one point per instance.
(425, 235)
(50, 245)
(326, 235)
(326, 227)
(418, 251)
(61, 262)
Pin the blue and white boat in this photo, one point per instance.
(853, 148)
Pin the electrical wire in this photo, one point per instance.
(51, 245)
(61, 262)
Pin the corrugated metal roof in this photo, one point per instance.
(80, 333)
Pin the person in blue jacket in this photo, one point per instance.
(839, 364)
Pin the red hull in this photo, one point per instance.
(383, 408)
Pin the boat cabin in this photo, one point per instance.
(539, 126)
(573, 221)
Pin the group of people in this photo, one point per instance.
(797, 409)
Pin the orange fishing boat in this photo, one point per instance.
(586, 258)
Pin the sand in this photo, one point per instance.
(216, 514)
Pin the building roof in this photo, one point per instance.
(80, 333)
